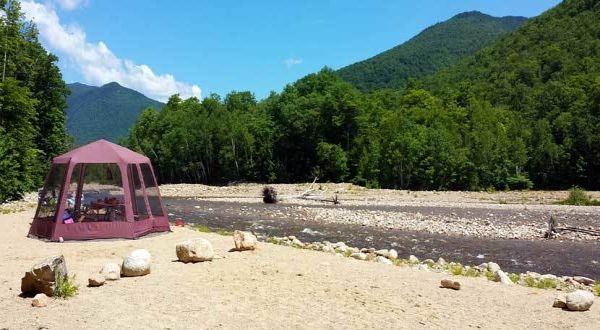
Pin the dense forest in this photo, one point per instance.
(32, 104)
(436, 47)
(523, 112)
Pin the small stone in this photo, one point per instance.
(500, 276)
(111, 271)
(559, 303)
(359, 256)
(450, 284)
(40, 300)
(96, 280)
(441, 261)
(579, 300)
(137, 263)
(61, 239)
(493, 267)
(245, 240)
(194, 250)
(297, 242)
(413, 260)
(393, 254)
(383, 260)
(328, 249)
(584, 280)
(384, 253)
(548, 277)
(423, 267)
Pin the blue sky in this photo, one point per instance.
(235, 45)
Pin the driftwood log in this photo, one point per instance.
(270, 195)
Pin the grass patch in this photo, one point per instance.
(202, 229)
(578, 196)
(65, 287)
(224, 232)
(529, 281)
(514, 277)
(547, 283)
(456, 269)
(472, 272)
(490, 275)
(596, 289)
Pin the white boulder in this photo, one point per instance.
(194, 250)
(500, 276)
(137, 263)
(383, 260)
(579, 300)
(245, 240)
(111, 271)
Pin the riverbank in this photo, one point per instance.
(274, 286)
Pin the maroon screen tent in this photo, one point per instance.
(99, 190)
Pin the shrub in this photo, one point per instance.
(490, 275)
(456, 269)
(519, 182)
(472, 272)
(65, 287)
(596, 289)
(547, 283)
(578, 196)
(514, 277)
(529, 281)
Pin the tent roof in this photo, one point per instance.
(101, 151)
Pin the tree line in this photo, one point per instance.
(32, 105)
(322, 126)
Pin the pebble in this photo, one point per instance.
(450, 284)
(96, 280)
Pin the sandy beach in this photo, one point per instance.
(272, 287)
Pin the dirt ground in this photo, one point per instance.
(272, 287)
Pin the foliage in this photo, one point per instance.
(65, 287)
(436, 47)
(596, 289)
(202, 228)
(32, 117)
(578, 196)
(547, 73)
(522, 112)
(105, 112)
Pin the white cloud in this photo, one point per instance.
(69, 4)
(96, 61)
(290, 62)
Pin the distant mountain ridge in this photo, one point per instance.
(105, 112)
(436, 47)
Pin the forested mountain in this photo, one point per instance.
(547, 72)
(32, 104)
(104, 112)
(434, 48)
(523, 112)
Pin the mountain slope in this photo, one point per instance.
(548, 71)
(104, 112)
(435, 47)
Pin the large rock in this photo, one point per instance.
(245, 240)
(584, 280)
(493, 267)
(111, 271)
(137, 263)
(42, 276)
(579, 300)
(40, 300)
(194, 250)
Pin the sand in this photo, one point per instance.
(272, 287)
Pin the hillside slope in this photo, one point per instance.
(435, 47)
(548, 71)
(104, 112)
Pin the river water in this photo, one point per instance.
(542, 256)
